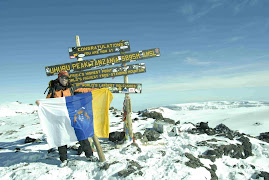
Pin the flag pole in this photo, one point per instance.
(95, 139)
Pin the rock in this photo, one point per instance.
(237, 151)
(154, 115)
(221, 128)
(144, 139)
(132, 167)
(35, 111)
(135, 119)
(29, 140)
(116, 136)
(210, 131)
(107, 165)
(131, 149)
(193, 162)
(264, 136)
(178, 122)
(136, 145)
(232, 150)
(263, 174)
(151, 135)
(203, 125)
(213, 167)
(212, 172)
(162, 152)
(247, 146)
(257, 124)
(138, 135)
(212, 158)
(17, 149)
(22, 126)
(51, 150)
(168, 120)
(118, 115)
(111, 108)
(211, 152)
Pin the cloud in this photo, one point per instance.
(193, 61)
(243, 4)
(187, 9)
(180, 52)
(257, 79)
(194, 12)
(234, 39)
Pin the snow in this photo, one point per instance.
(162, 159)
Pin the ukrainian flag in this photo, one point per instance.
(74, 118)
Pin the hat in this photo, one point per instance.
(63, 73)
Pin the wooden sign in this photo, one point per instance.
(113, 87)
(83, 76)
(97, 49)
(110, 60)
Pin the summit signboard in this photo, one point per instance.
(98, 49)
(110, 60)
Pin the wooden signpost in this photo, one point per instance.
(79, 73)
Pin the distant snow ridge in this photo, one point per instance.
(16, 108)
(216, 105)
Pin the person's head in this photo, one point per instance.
(63, 77)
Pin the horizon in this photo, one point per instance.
(210, 50)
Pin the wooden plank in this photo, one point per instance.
(98, 49)
(101, 62)
(83, 76)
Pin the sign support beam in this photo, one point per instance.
(95, 139)
(127, 108)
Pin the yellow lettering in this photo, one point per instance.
(104, 61)
(87, 53)
(149, 53)
(73, 66)
(146, 54)
(103, 51)
(60, 68)
(95, 52)
(78, 65)
(106, 70)
(121, 73)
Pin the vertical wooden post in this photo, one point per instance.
(128, 106)
(78, 45)
(95, 139)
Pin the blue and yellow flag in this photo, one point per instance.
(75, 118)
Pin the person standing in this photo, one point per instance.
(61, 87)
